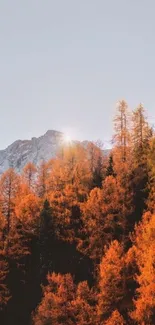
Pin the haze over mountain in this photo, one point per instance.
(20, 152)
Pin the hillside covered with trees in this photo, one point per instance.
(77, 234)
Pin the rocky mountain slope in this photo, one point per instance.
(19, 153)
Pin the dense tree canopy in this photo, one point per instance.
(77, 233)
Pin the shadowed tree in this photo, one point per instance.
(110, 167)
(9, 188)
(96, 163)
(4, 292)
(47, 244)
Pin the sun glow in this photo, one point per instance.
(67, 138)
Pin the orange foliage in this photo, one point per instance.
(151, 183)
(111, 284)
(9, 189)
(27, 211)
(71, 204)
(64, 303)
(42, 180)
(56, 306)
(144, 243)
(103, 215)
(29, 173)
(72, 169)
(115, 319)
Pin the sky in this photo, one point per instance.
(64, 64)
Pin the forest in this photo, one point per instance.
(77, 233)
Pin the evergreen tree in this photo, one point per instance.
(46, 240)
(96, 163)
(110, 167)
(4, 270)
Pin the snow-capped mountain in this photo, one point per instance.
(19, 153)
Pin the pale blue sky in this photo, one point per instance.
(65, 63)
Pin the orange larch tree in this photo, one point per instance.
(9, 188)
(29, 175)
(103, 215)
(141, 131)
(65, 303)
(121, 126)
(56, 306)
(42, 180)
(144, 247)
(70, 178)
(85, 305)
(141, 138)
(115, 319)
(111, 281)
(151, 178)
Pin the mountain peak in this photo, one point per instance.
(20, 152)
(53, 133)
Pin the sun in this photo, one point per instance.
(67, 138)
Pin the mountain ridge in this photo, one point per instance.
(20, 152)
(34, 150)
